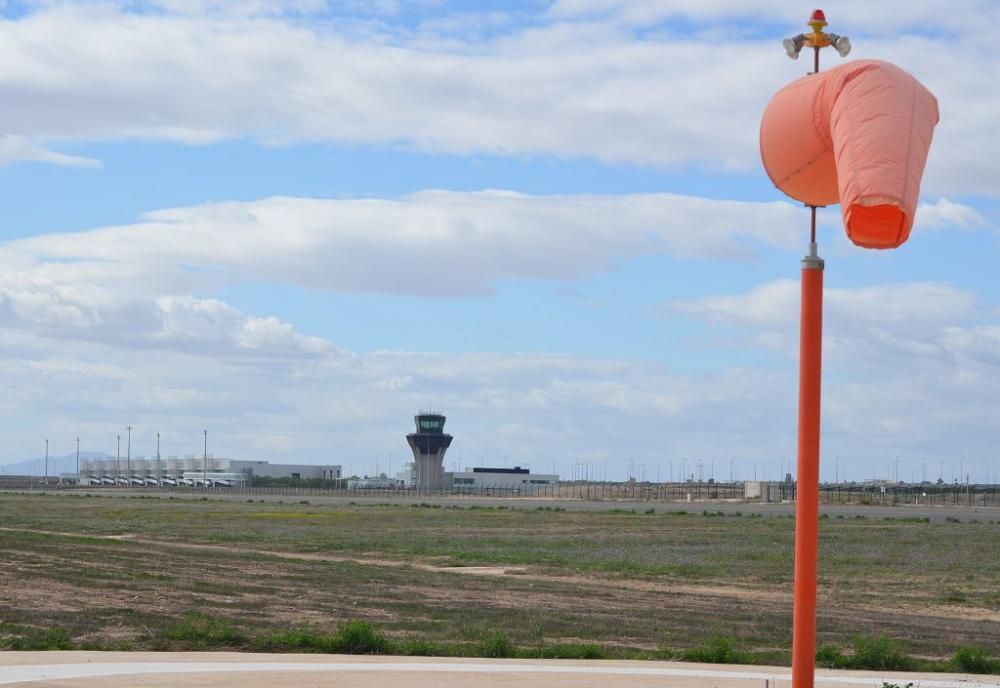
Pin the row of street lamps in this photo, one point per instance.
(128, 455)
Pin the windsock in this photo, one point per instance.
(857, 135)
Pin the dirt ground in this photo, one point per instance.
(496, 589)
(121, 573)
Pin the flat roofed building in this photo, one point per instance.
(104, 471)
(482, 476)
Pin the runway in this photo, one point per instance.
(227, 669)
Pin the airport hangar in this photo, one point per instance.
(194, 470)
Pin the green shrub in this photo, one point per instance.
(352, 638)
(423, 648)
(568, 651)
(205, 632)
(954, 595)
(879, 653)
(55, 638)
(296, 640)
(830, 657)
(973, 660)
(717, 649)
(359, 638)
(497, 645)
(665, 651)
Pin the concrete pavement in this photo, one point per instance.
(229, 669)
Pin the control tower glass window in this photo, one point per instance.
(426, 424)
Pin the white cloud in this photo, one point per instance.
(909, 368)
(869, 332)
(947, 214)
(124, 319)
(432, 242)
(566, 88)
(911, 304)
(978, 347)
(187, 321)
(131, 284)
(21, 149)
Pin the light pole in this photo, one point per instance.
(128, 456)
(77, 460)
(46, 462)
(159, 471)
(204, 464)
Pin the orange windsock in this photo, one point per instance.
(857, 135)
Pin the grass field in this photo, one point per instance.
(158, 573)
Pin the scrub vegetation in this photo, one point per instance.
(126, 572)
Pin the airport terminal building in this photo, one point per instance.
(195, 470)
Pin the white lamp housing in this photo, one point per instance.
(842, 44)
(793, 45)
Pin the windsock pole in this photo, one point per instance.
(807, 491)
(807, 477)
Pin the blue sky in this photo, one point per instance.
(296, 227)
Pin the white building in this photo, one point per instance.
(507, 478)
(408, 475)
(482, 477)
(194, 470)
(381, 482)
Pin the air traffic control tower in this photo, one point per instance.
(429, 443)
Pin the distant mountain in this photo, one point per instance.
(57, 464)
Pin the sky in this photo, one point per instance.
(296, 224)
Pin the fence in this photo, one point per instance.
(931, 495)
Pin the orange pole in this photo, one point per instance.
(807, 494)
